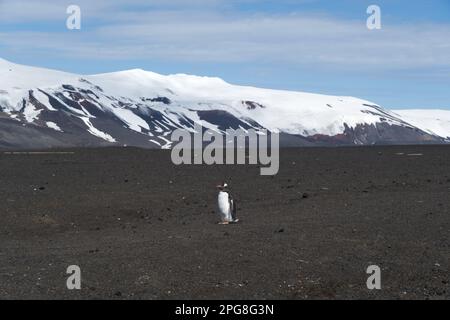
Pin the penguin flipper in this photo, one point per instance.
(233, 211)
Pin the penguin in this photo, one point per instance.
(227, 205)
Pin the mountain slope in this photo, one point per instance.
(436, 122)
(140, 108)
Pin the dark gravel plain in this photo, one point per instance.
(142, 228)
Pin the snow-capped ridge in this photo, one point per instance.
(27, 76)
(139, 107)
(433, 121)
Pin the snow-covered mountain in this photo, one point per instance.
(41, 108)
(435, 122)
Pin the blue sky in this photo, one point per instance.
(306, 45)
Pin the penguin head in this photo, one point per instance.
(223, 186)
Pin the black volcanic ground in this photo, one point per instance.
(141, 228)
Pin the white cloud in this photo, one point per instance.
(176, 32)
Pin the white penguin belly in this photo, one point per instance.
(224, 206)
